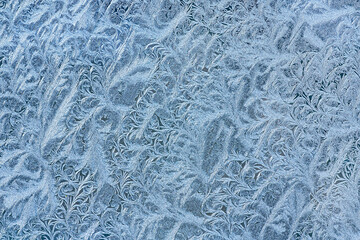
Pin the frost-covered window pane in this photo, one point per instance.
(180, 119)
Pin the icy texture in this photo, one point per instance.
(180, 119)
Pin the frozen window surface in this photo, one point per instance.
(180, 119)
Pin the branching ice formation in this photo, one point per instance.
(180, 119)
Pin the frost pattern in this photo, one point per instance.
(179, 119)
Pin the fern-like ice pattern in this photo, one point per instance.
(180, 119)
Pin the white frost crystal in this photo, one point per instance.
(180, 119)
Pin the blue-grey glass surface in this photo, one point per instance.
(180, 119)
